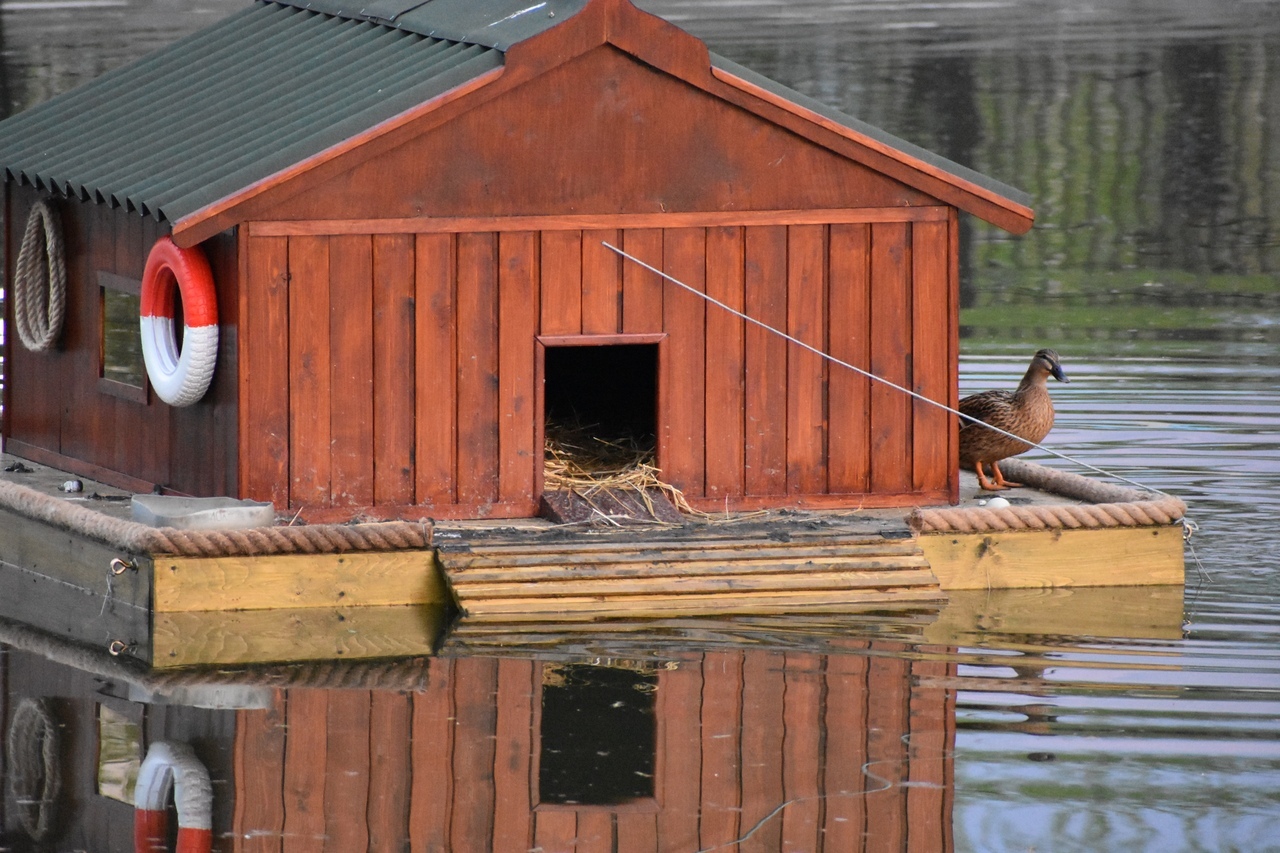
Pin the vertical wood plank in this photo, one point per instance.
(763, 688)
(475, 723)
(721, 717)
(849, 335)
(514, 743)
(641, 289)
(390, 732)
(679, 755)
(436, 370)
(766, 357)
(930, 367)
(561, 283)
(556, 831)
(347, 771)
(309, 359)
(258, 819)
(953, 354)
(519, 454)
(595, 831)
(637, 832)
(305, 756)
(393, 368)
(891, 357)
(725, 360)
(929, 754)
(681, 378)
(264, 372)
(477, 319)
(802, 752)
(432, 784)
(601, 284)
(845, 726)
(351, 370)
(806, 371)
(888, 681)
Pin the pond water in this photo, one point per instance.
(1147, 133)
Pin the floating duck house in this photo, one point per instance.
(407, 211)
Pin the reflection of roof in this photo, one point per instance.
(230, 106)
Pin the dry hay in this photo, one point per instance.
(585, 464)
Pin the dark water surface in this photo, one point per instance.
(1147, 133)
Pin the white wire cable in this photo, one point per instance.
(872, 376)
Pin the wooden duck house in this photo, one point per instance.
(407, 217)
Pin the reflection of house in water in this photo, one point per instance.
(833, 749)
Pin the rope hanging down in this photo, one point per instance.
(40, 280)
(867, 374)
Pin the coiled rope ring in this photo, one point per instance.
(40, 280)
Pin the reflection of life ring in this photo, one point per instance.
(180, 379)
(172, 767)
(35, 775)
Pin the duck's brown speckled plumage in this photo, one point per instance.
(1026, 412)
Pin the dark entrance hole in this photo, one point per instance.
(609, 392)
(598, 736)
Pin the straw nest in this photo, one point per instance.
(586, 464)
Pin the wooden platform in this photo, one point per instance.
(518, 578)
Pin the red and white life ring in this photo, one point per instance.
(172, 767)
(179, 378)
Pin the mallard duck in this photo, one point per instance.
(1027, 413)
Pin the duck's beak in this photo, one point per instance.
(1056, 370)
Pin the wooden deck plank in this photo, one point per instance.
(465, 561)
(886, 571)
(717, 603)
(784, 581)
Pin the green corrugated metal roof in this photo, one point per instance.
(491, 23)
(283, 81)
(229, 106)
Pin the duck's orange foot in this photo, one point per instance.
(986, 484)
(1001, 482)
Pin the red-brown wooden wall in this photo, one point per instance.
(58, 411)
(408, 371)
(859, 756)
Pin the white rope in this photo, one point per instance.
(872, 376)
(40, 280)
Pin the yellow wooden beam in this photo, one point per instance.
(201, 638)
(1116, 556)
(976, 616)
(272, 582)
